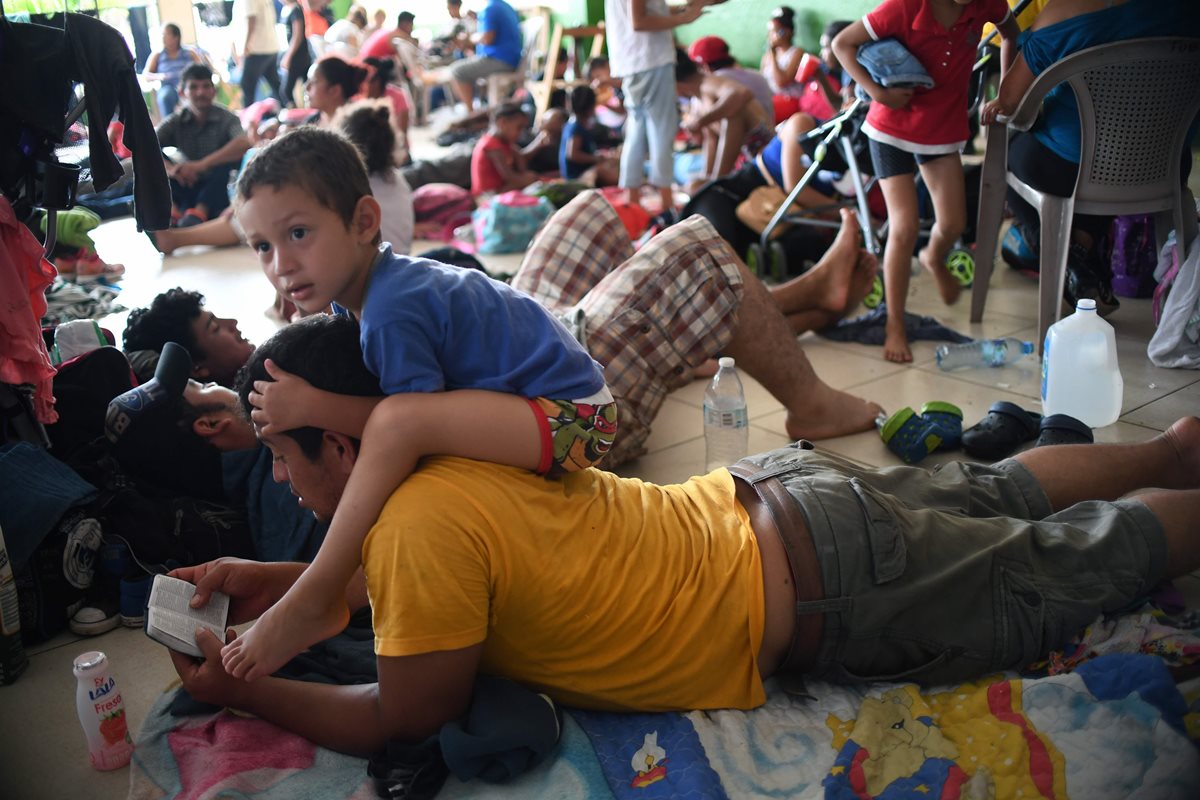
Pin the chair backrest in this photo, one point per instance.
(531, 30)
(1136, 100)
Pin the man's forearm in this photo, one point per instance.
(342, 718)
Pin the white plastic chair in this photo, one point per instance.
(500, 85)
(1136, 100)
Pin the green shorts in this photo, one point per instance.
(943, 576)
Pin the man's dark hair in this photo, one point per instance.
(403, 17)
(169, 318)
(582, 100)
(321, 162)
(163, 449)
(195, 72)
(507, 111)
(454, 3)
(322, 349)
(685, 68)
(173, 29)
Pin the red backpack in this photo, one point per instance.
(439, 208)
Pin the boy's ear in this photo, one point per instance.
(368, 216)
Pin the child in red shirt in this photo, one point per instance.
(496, 164)
(922, 128)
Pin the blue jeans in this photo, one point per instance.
(650, 98)
(167, 97)
(210, 190)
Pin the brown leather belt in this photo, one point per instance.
(797, 541)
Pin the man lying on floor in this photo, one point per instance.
(613, 593)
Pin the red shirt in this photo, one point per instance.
(379, 44)
(484, 175)
(935, 121)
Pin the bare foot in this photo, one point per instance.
(948, 286)
(836, 268)
(284, 631)
(828, 412)
(861, 280)
(895, 347)
(163, 241)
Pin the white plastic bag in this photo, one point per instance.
(1176, 342)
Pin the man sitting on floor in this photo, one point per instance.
(210, 136)
(689, 596)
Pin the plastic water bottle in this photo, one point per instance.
(101, 712)
(1080, 375)
(983, 353)
(726, 423)
(12, 653)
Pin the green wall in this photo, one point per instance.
(743, 23)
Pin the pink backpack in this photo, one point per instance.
(439, 208)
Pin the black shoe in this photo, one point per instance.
(1084, 282)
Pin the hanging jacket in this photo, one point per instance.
(49, 60)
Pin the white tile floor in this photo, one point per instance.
(42, 749)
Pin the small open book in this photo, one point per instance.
(171, 621)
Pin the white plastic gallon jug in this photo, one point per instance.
(1080, 376)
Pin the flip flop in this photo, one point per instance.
(1005, 428)
(1063, 429)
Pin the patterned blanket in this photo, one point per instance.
(1115, 727)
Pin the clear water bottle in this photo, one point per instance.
(13, 660)
(101, 712)
(726, 423)
(983, 353)
(1080, 376)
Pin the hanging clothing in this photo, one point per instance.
(50, 60)
(24, 276)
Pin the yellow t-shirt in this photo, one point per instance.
(603, 592)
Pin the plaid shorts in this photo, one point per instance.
(652, 316)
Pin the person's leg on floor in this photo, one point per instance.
(947, 189)
(765, 347)
(218, 232)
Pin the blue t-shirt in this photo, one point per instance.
(772, 160)
(1058, 127)
(587, 141)
(500, 17)
(427, 327)
(279, 528)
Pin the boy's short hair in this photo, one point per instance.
(321, 162)
(508, 111)
(685, 68)
(168, 318)
(582, 100)
(195, 72)
(322, 349)
(405, 16)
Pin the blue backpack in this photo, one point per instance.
(507, 223)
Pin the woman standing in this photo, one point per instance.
(297, 59)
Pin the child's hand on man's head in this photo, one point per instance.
(280, 403)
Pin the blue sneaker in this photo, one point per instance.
(1017, 251)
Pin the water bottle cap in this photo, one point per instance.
(1085, 304)
(726, 362)
(1026, 348)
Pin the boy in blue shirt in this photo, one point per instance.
(473, 368)
(577, 152)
